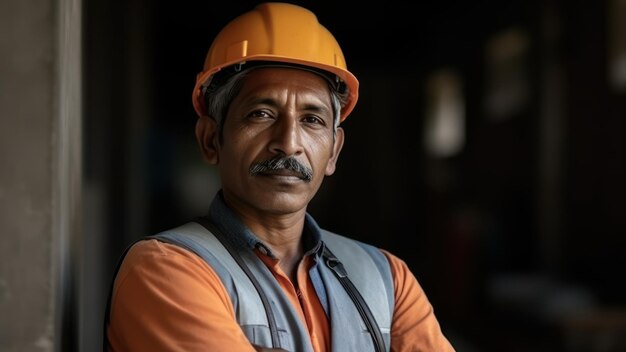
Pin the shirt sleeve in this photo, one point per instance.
(166, 298)
(414, 326)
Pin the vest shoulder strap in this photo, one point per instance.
(199, 240)
(370, 272)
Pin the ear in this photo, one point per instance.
(332, 162)
(207, 137)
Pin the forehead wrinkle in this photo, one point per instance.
(301, 92)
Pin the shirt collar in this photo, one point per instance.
(231, 225)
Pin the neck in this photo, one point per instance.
(284, 238)
(280, 231)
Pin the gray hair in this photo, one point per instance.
(219, 97)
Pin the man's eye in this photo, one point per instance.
(259, 114)
(313, 120)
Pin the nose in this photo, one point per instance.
(286, 136)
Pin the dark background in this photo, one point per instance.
(518, 238)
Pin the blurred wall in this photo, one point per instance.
(40, 61)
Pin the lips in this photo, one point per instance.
(283, 172)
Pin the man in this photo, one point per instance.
(258, 273)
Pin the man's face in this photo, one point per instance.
(279, 113)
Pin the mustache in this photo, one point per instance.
(282, 163)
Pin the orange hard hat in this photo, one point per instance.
(279, 33)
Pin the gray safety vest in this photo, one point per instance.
(365, 265)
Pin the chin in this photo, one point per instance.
(286, 203)
(283, 202)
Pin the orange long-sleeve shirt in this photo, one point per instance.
(166, 298)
